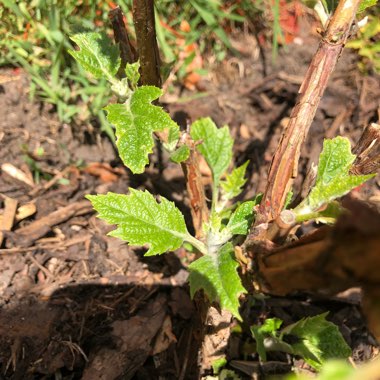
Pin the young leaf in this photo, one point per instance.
(241, 219)
(218, 364)
(327, 215)
(172, 141)
(318, 340)
(259, 338)
(216, 274)
(232, 185)
(269, 327)
(97, 54)
(140, 220)
(135, 121)
(333, 178)
(181, 154)
(364, 4)
(132, 73)
(216, 146)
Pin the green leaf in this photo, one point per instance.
(216, 146)
(335, 160)
(330, 214)
(333, 370)
(241, 219)
(140, 220)
(318, 340)
(330, 5)
(269, 327)
(132, 73)
(364, 4)
(333, 178)
(218, 364)
(181, 154)
(173, 137)
(288, 199)
(97, 54)
(232, 185)
(135, 121)
(217, 275)
(259, 338)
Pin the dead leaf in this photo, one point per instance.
(164, 338)
(25, 211)
(16, 173)
(8, 217)
(104, 171)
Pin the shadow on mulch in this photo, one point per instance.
(92, 331)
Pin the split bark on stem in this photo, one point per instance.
(284, 166)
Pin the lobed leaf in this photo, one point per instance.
(241, 219)
(217, 275)
(141, 220)
(335, 159)
(364, 4)
(97, 54)
(216, 146)
(333, 178)
(135, 121)
(318, 340)
(181, 154)
(232, 185)
(259, 338)
(269, 327)
(132, 73)
(172, 140)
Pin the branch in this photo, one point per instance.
(284, 165)
(143, 19)
(128, 53)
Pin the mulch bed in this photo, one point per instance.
(77, 304)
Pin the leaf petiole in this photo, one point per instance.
(201, 247)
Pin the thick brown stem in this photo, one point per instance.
(143, 18)
(128, 53)
(284, 165)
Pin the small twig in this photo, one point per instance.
(39, 265)
(39, 190)
(25, 236)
